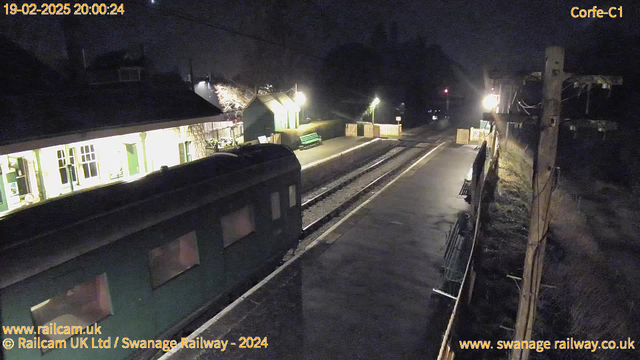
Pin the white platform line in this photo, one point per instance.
(323, 160)
(332, 228)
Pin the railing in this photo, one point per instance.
(456, 251)
(483, 172)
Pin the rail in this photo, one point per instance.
(316, 224)
(315, 199)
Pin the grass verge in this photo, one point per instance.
(588, 293)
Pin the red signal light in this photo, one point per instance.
(446, 91)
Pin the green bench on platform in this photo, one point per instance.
(310, 140)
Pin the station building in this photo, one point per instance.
(52, 144)
(269, 113)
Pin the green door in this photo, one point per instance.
(132, 159)
(3, 198)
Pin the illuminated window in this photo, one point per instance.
(72, 162)
(88, 161)
(173, 258)
(80, 306)
(62, 166)
(185, 152)
(66, 167)
(237, 225)
(275, 206)
(292, 195)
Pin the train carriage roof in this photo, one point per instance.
(220, 169)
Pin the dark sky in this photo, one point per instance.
(508, 35)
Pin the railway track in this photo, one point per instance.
(324, 194)
(406, 144)
(317, 223)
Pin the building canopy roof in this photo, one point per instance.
(276, 102)
(50, 115)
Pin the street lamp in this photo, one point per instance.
(490, 102)
(375, 102)
(300, 98)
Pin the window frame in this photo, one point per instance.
(279, 211)
(23, 176)
(252, 211)
(68, 164)
(191, 235)
(108, 310)
(293, 200)
(185, 152)
(88, 156)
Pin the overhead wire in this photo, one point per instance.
(170, 12)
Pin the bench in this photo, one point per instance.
(309, 140)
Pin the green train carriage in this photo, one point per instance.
(142, 259)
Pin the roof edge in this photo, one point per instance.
(61, 139)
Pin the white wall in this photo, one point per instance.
(160, 146)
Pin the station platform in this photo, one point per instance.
(363, 289)
(328, 148)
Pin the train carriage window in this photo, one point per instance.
(173, 258)
(292, 195)
(275, 206)
(77, 308)
(237, 225)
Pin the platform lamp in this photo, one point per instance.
(300, 99)
(375, 103)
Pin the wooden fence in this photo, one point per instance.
(371, 131)
(389, 129)
(462, 137)
(351, 130)
(380, 130)
(478, 135)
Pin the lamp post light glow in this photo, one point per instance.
(490, 102)
(300, 98)
(375, 103)
(446, 95)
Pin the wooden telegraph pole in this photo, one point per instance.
(542, 185)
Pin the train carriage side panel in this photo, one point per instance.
(140, 310)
